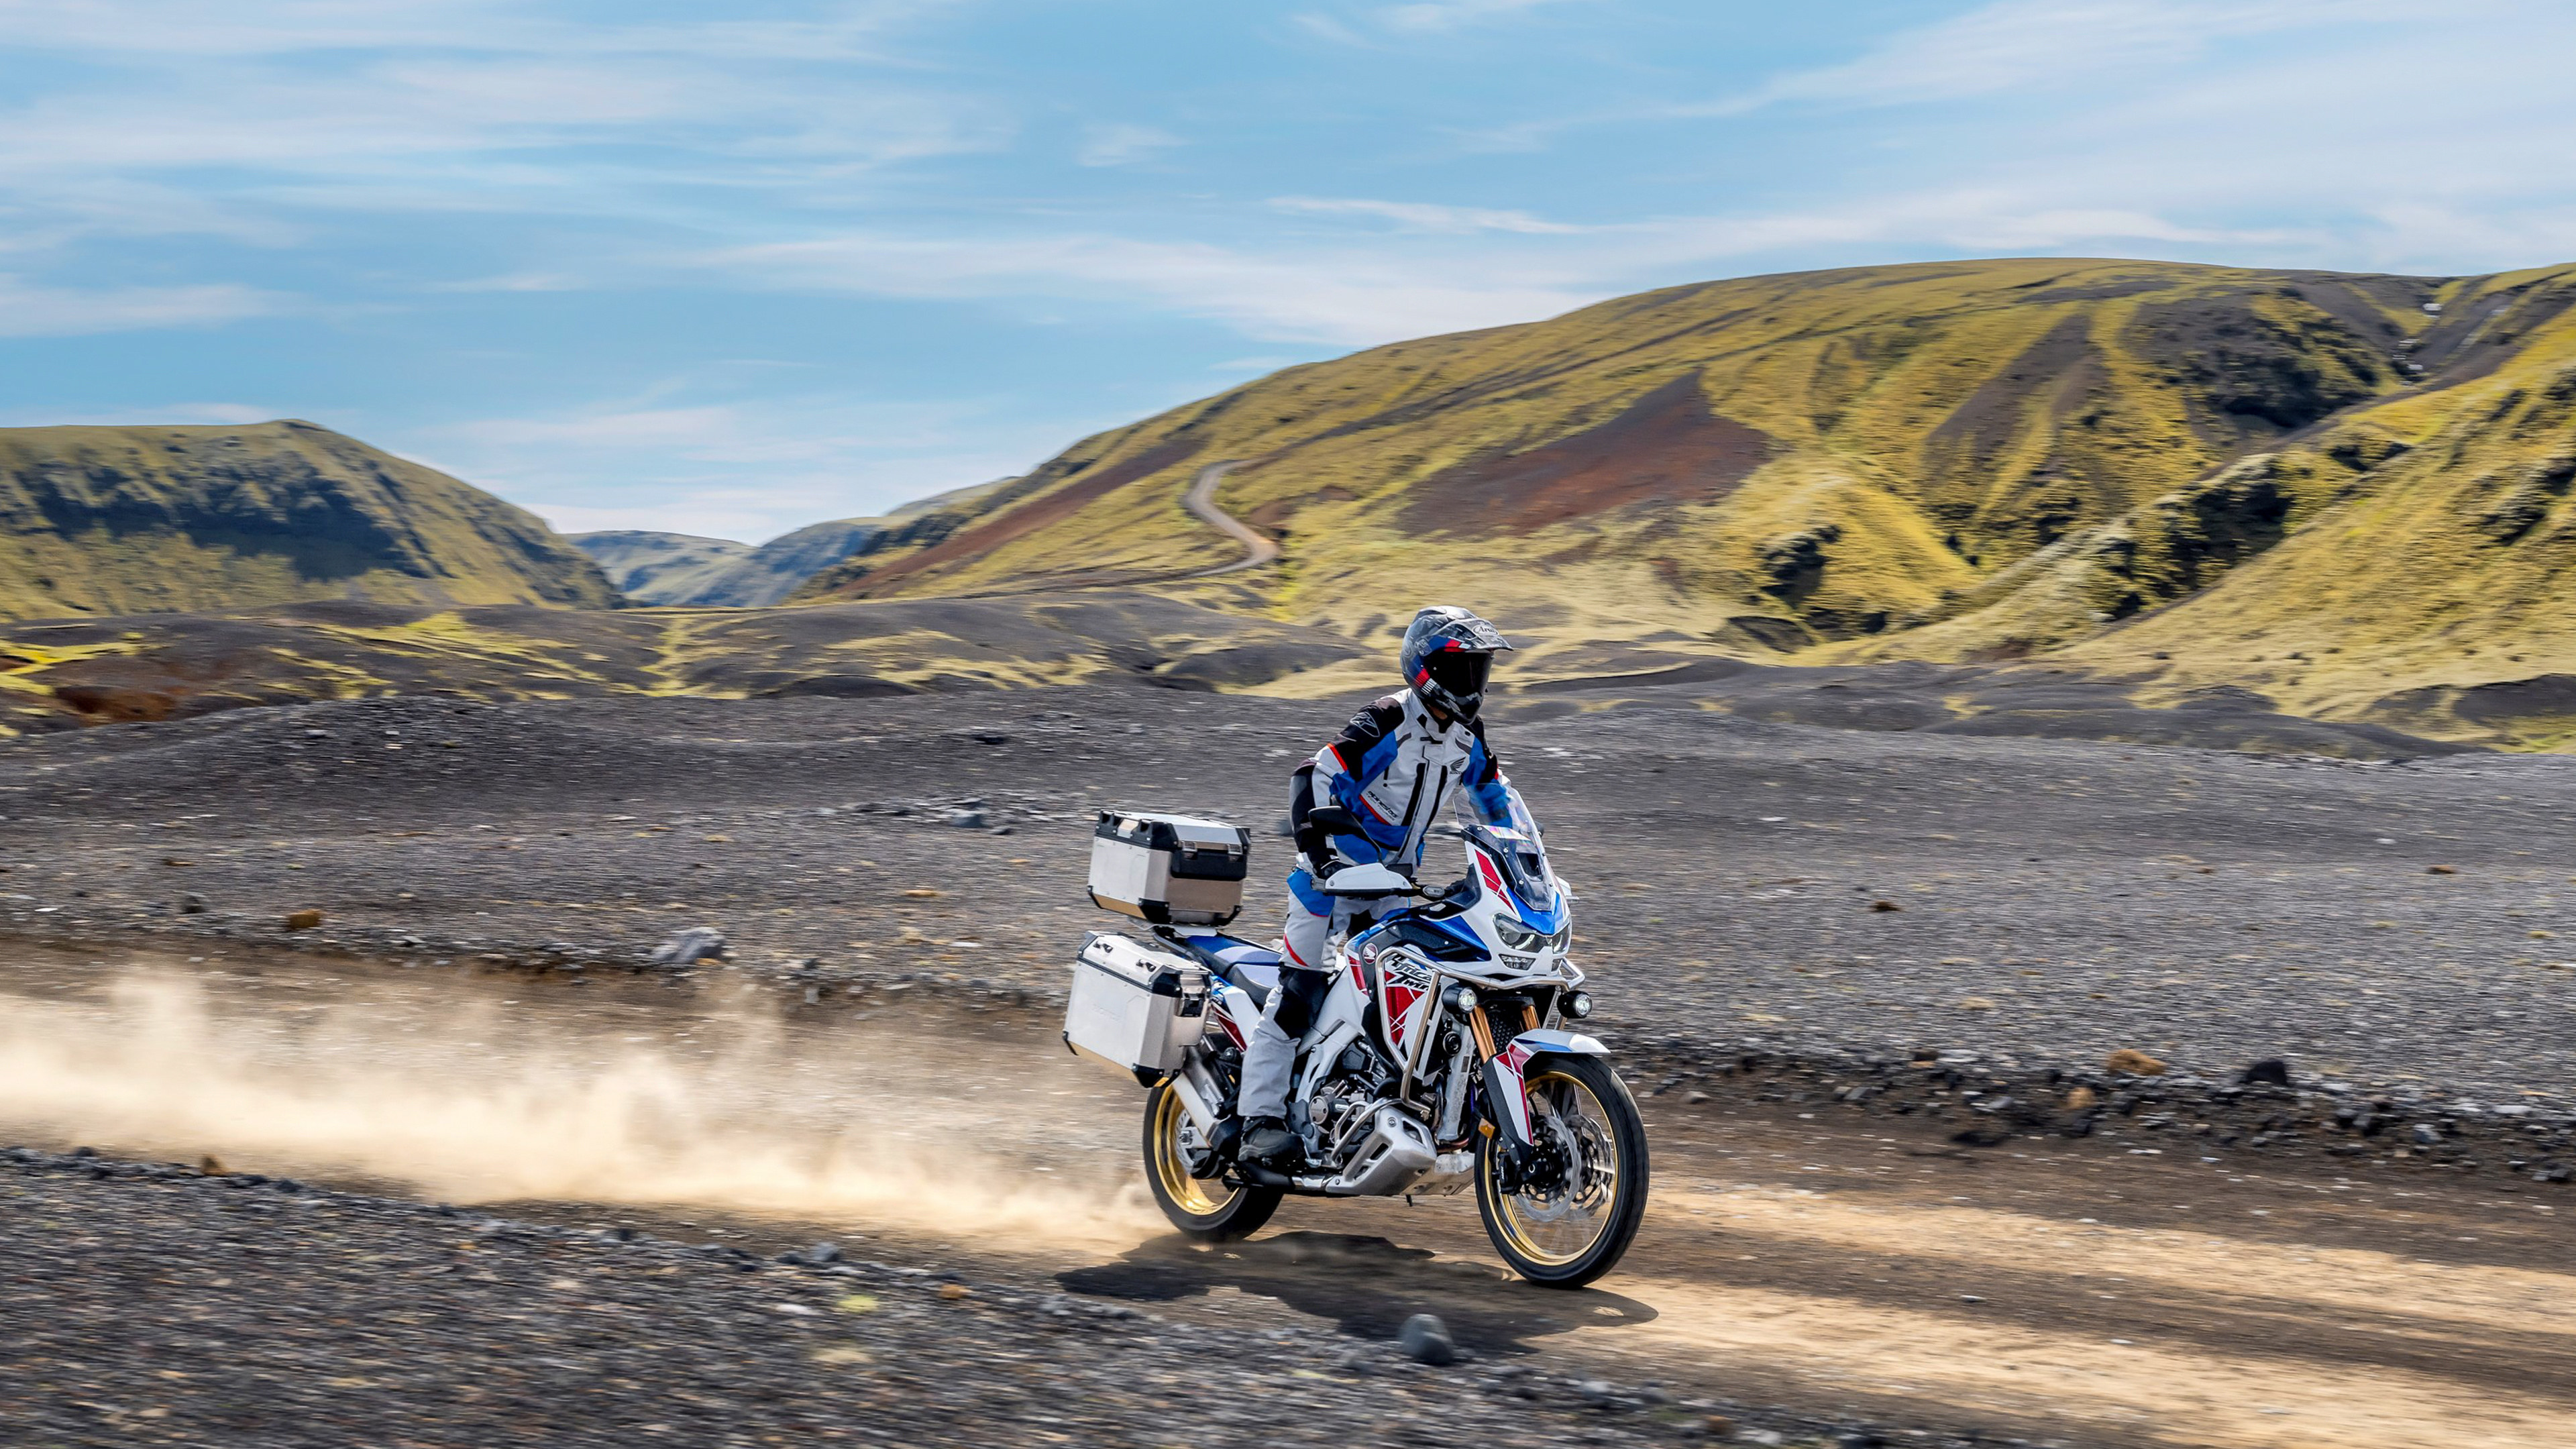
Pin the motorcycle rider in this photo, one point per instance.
(1393, 768)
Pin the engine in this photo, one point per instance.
(1342, 1106)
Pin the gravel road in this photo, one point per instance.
(149, 1304)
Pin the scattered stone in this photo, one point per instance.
(688, 947)
(2135, 1063)
(192, 904)
(175, 860)
(1695, 1097)
(1885, 906)
(2269, 1072)
(954, 1291)
(210, 1165)
(970, 819)
(2441, 870)
(1425, 1339)
(303, 920)
(2425, 1134)
(921, 893)
(2081, 1099)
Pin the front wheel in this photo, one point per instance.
(1204, 1208)
(1576, 1204)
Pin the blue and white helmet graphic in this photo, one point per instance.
(1448, 652)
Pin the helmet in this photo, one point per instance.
(1447, 654)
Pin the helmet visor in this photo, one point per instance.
(1459, 671)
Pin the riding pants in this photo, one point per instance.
(1305, 976)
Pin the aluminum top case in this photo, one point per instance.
(1135, 1004)
(1172, 870)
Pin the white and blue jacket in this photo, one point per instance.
(1395, 767)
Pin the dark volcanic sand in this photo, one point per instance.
(2057, 901)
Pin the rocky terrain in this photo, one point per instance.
(2232, 1040)
(58, 674)
(103, 521)
(1743, 882)
(283, 1314)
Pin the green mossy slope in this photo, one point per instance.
(111, 521)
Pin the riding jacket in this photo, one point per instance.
(1395, 767)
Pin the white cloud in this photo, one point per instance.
(749, 469)
(350, 106)
(1343, 297)
(165, 415)
(1420, 18)
(1424, 216)
(2015, 44)
(1119, 144)
(1452, 14)
(28, 310)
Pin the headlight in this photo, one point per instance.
(1518, 937)
(1578, 1005)
(1461, 998)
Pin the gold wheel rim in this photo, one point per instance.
(1190, 1194)
(1537, 1234)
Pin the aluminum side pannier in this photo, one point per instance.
(1135, 1005)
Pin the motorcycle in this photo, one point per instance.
(1439, 1059)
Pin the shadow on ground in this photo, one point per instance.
(1367, 1286)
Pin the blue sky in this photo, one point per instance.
(731, 269)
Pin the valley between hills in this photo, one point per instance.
(2145, 501)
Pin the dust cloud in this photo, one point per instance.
(470, 1101)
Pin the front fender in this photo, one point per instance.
(1506, 1076)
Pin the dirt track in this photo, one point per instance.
(1852, 1272)
(1822, 1253)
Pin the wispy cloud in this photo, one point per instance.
(1452, 14)
(748, 469)
(1423, 17)
(165, 414)
(1117, 144)
(1347, 297)
(2017, 44)
(1426, 216)
(38, 311)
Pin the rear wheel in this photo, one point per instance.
(1205, 1208)
(1575, 1208)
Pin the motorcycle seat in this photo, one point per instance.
(1253, 968)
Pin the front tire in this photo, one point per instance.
(1204, 1208)
(1574, 1228)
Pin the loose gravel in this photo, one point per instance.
(147, 1303)
(1744, 886)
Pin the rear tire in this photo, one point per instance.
(1204, 1208)
(1570, 1237)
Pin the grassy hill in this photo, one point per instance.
(2162, 470)
(660, 568)
(112, 521)
(676, 568)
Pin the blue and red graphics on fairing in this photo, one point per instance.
(1520, 887)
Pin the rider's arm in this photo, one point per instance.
(1490, 791)
(1359, 754)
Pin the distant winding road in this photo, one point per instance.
(1201, 502)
